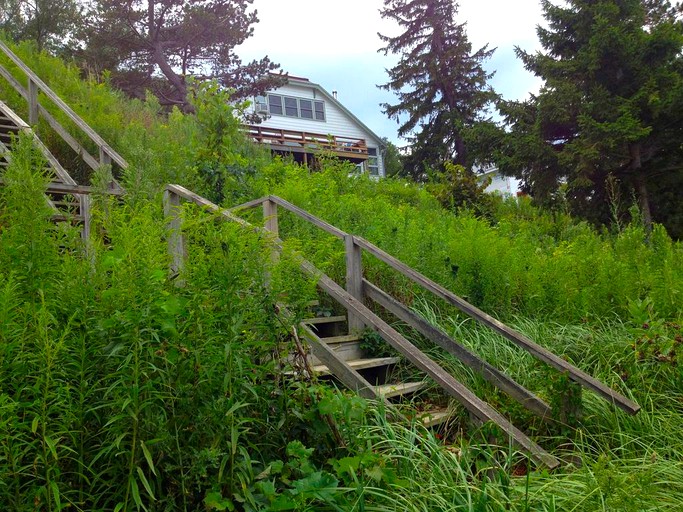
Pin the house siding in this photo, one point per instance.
(337, 122)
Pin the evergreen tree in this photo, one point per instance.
(610, 106)
(155, 44)
(50, 23)
(440, 83)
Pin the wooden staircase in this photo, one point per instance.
(66, 205)
(333, 340)
(378, 372)
(69, 200)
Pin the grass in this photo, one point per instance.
(120, 390)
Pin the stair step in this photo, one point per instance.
(324, 320)
(346, 338)
(360, 364)
(403, 388)
(434, 417)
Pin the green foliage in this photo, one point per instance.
(120, 390)
(440, 83)
(392, 159)
(156, 46)
(613, 86)
(457, 188)
(224, 159)
(50, 24)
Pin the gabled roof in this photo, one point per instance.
(295, 80)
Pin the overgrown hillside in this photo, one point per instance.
(120, 390)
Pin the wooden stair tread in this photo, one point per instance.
(401, 388)
(434, 417)
(346, 338)
(324, 320)
(360, 364)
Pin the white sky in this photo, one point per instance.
(336, 45)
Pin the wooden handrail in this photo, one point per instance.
(62, 188)
(107, 154)
(541, 353)
(480, 409)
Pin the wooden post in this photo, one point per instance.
(105, 158)
(85, 213)
(271, 225)
(176, 240)
(32, 103)
(270, 217)
(354, 279)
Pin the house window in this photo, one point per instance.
(319, 111)
(291, 107)
(373, 162)
(306, 109)
(296, 107)
(260, 104)
(275, 104)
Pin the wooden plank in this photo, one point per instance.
(82, 125)
(324, 320)
(346, 338)
(310, 218)
(63, 188)
(341, 369)
(398, 389)
(488, 372)
(469, 400)
(248, 205)
(270, 216)
(354, 280)
(85, 212)
(516, 337)
(361, 364)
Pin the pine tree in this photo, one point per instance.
(610, 106)
(440, 83)
(49, 23)
(155, 44)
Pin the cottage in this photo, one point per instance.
(301, 119)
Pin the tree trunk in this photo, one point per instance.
(643, 201)
(641, 187)
(178, 82)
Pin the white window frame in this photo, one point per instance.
(314, 103)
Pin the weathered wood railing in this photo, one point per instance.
(308, 142)
(357, 288)
(36, 110)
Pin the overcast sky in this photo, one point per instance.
(336, 45)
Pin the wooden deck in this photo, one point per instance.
(307, 143)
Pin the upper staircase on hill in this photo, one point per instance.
(333, 339)
(69, 200)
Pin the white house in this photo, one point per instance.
(301, 118)
(503, 185)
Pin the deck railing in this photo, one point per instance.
(307, 142)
